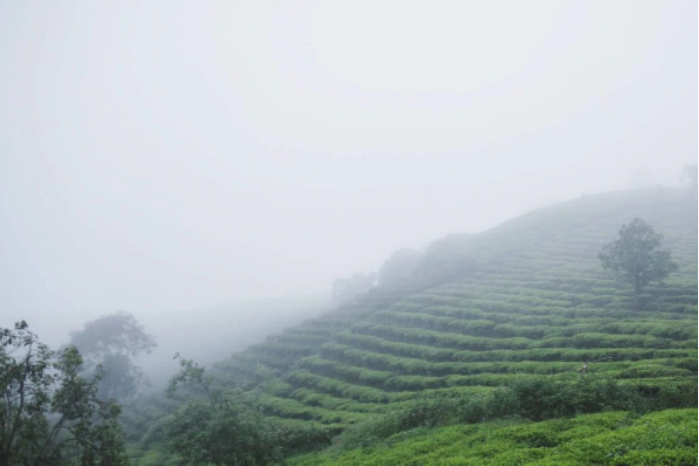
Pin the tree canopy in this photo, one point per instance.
(636, 258)
(112, 341)
(49, 413)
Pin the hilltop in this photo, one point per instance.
(533, 305)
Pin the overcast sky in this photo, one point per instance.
(164, 155)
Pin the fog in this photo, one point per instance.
(163, 156)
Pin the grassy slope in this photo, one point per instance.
(611, 438)
(539, 305)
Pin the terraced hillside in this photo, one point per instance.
(613, 438)
(538, 304)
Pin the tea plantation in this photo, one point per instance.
(497, 354)
(613, 438)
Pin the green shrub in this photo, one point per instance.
(534, 399)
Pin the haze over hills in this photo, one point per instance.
(186, 153)
(207, 333)
(534, 302)
(458, 204)
(212, 333)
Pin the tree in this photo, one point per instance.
(635, 257)
(49, 413)
(112, 341)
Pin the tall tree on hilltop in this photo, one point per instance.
(636, 258)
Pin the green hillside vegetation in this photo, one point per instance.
(496, 342)
(610, 438)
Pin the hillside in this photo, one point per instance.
(537, 305)
(616, 438)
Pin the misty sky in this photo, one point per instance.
(160, 155)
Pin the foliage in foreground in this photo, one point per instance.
(612, 438)
(49, 413)
(533, 399)
(225, 426)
